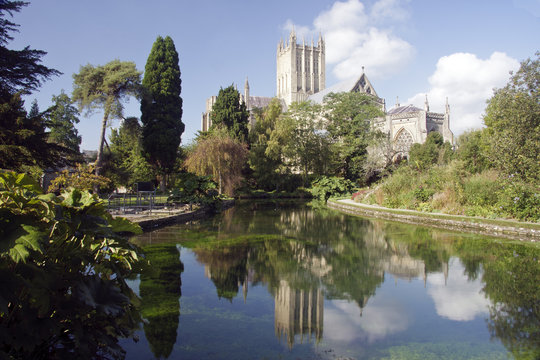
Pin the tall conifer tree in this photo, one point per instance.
(229, 112)
(161, 107)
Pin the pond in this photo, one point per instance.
(283, 280)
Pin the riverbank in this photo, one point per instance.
(493, 227)
(157, 219)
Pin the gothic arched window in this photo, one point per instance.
(403, 141)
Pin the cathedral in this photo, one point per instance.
(300, 76)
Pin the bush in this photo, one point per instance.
(481, 189)
(63, 265)
(519, 200)
(325, 187)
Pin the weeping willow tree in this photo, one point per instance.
(220, 156)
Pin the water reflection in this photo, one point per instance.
(328, 275)
(160, 291)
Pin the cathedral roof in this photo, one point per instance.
(360, 84)
(403, 109)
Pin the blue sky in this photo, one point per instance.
(460, 49)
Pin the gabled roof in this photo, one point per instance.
(403, 110)
(361, 84)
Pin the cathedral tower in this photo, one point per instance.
(300, 69)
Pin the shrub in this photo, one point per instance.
(519, 200)
(481, 189)
(63, 265)
(325, 187)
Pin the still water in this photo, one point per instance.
(289, 281)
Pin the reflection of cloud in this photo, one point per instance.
(342, 321)
(460, 299)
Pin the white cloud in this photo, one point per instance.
(457, 298)
(356, 37)
(468, 82)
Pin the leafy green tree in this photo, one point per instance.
(62, 119)
(24, 139)
(221, 156)
(230, 113)
(265, 166)
(64, 267)
(433, 151)
(105, 87)
(20, 70)
(473, 149)
(128, 163)
(348, 116)
(327, 186)
(305, 147)
(161, 107)
(83, 178)
(513, 123)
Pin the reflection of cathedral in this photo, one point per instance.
(298, 312)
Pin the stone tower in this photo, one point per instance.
(300, 69)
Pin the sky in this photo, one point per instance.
(459, 49)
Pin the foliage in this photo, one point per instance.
(519, 199)
(229, 113)
(327, 186)
(220, 156)
(20, 70)
(128, 165)
(161, 107)
(473, 149)
(433, 151)
(24, 139)
(82, 178)
(62, 119)
(105, 87)
(305, 147)
(63, 268)
(513, 123)
(266, 167)
(348, 116)
(191, 188)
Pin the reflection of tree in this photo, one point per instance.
(344, 257)
(226, 267)
(512, 279)
(160, 292)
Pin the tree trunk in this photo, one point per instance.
(101, 142)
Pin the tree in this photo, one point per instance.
(161, 107)
(222, 157)
(473, 149)
(105, 87)
(62, 119)
(265, 166)
(513, 123)
(128, 163)
(433, 151)
(230, 113)
(304, 146)
(348, 116)
(24, 139)
(20, 70)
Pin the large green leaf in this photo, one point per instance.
(120, 224)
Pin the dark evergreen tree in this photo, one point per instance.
(161, 107)
(62, 119)
(24, 139)
(230, 113)
(20, 70)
